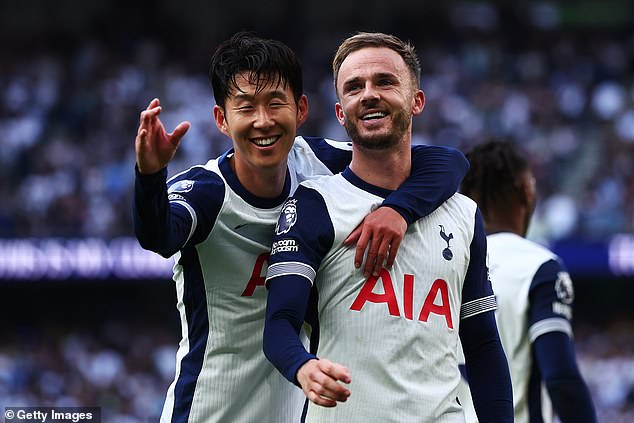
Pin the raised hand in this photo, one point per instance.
(153, 145)
(381, 233)
(320, 379)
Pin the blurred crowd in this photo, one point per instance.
(69, 113)
(128, 380)
(97, 368)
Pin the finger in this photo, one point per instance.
(153, 104)
(334, 370)
(384, 247)
(327, 387)
(354, 236)
(319, 400)
(141, 138)
(370, 260)
(362, 244)
(334, 391)
(148, 115)
(396, 243)
(178, 133)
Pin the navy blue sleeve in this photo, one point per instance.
(285, 313)
(303, 235)
(555, 356)
(477, 292)
(485, 361)
(487, 368)
(551, 299)
(164, 221)
(436, 175)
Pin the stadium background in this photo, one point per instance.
(87, 318)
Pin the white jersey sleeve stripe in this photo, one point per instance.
(291, 268)
(481, 305)
(554, 324)
(193, 215)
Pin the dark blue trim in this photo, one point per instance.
(476, 284)
(236, 186)
(542, 294)
(360, 183)
(195, 302)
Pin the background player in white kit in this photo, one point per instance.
(397, 333)
(217, 219)
(533, 290)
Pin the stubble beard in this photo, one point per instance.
(384, 141)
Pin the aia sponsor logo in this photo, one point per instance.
(258, 275)
(435, 302)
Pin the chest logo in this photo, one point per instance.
(446, 253)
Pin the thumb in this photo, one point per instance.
(354, 236)
(178, 133)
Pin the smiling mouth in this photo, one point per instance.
(265, 142)
(374, 116)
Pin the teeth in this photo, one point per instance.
(264, 142)
(375, 115)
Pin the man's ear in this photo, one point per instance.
(527, 190)
(341, 117)
(419, 103)
(302, 110)
(221, 120)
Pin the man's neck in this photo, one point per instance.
(261, 182)
(509, 220)
(382, 168)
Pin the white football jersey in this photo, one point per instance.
(398, 332)
(221, 373)
(517, 265)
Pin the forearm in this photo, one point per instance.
(155, 227)
(568, 392)
(487, 369)
(286, 307)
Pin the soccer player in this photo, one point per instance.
(217, 220)
(533, 290)
(387, 344)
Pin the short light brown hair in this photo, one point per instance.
(377, 39)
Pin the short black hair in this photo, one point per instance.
(265, 61)
(494, 175)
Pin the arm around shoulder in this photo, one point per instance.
(436, 175)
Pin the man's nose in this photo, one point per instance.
(263, 118)
(369, 93)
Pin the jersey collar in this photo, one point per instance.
(236, 186)
(360, 183)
